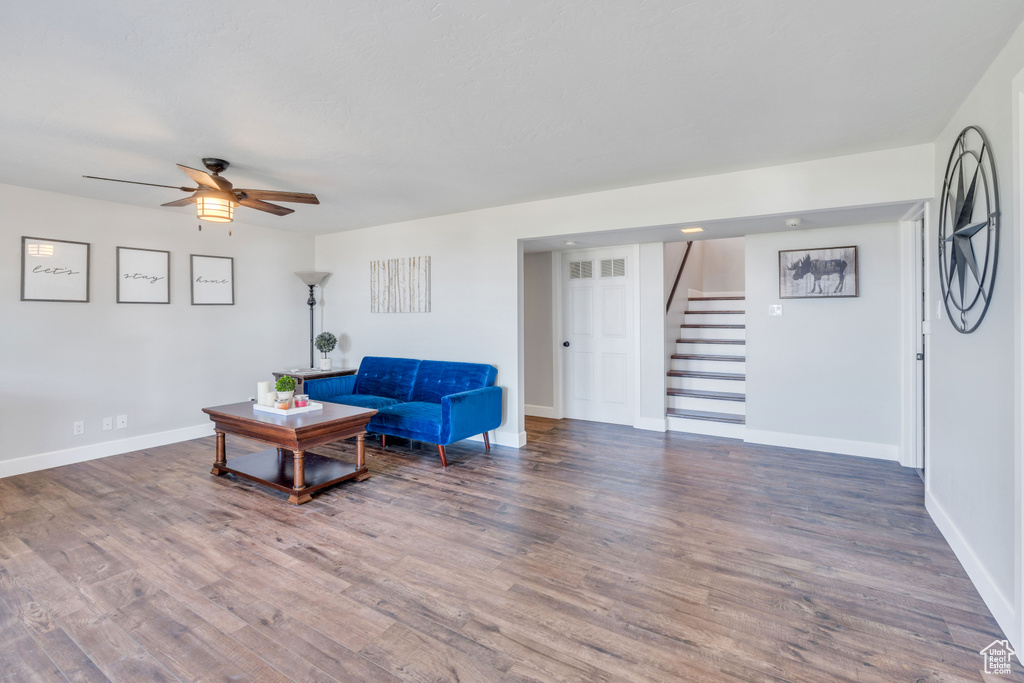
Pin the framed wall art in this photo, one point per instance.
(818, 273)
(54, 270)
(143, 276)
(213, 280)
(400, 285)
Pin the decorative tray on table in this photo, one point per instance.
(291, 411)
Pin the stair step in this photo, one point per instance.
(711, 341)
(717, 395)
(708, 375)
(688, 312)
(705, 415)
(716, 298)
(708, 356)
(717, 327)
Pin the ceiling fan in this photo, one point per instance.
(216, 198)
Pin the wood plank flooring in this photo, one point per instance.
(597, 553)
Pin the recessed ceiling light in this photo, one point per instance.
(569, 243)
(695, 228)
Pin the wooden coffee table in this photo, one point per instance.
(289, 467)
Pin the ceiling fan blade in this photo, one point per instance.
(266, 206)
(181, 202)
(274, 195)
(206, 179)
(135, 182)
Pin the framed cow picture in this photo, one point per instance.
(817, 273)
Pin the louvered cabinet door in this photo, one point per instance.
(598, 363)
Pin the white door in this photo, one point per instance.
(921, 339)
(597, 341)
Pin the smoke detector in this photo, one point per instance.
(792, 222)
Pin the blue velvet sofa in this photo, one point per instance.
(438, 402)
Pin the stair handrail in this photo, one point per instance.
(671, 295)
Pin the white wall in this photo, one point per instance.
(693, 274)
(825, 374)
(476, 287)
(973, 458)
(157, 363)
(691, 279)
(538, 335)
(651, 330)
(723, 268)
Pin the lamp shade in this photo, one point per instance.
(214, 209)
(312, 277)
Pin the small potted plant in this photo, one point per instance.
(285, 388)
(325, 343)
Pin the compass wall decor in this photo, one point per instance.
(968, 230)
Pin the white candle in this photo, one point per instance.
(265, 393)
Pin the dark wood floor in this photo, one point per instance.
(597, 553)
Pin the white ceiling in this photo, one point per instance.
(392, 110)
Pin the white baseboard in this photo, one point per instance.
(651, 424)
(1001, 608)
(864, 449)
(540, 411)
(69, 456)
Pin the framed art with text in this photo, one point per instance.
(143, 276)
(818, 273)
(213, 280)
(54, 270)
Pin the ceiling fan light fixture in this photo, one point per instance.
(216, 198)
(210, 207)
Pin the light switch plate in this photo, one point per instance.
(774, 309)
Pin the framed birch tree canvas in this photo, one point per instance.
(400, 285)
(54, 270)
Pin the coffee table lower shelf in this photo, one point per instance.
(274, 467)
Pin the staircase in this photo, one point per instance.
(706, 382)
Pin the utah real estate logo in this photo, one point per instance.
(998, 657)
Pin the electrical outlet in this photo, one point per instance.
(79, 427)
(122, 421)
(108, 424)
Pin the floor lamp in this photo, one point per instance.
(312, 279)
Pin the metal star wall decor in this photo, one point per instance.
(968, 230)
